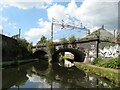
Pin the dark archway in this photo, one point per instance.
(79, 56)
(39, 53)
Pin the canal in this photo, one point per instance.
(40, 74)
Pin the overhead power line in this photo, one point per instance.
(68, 26)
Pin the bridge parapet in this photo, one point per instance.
(71, 46)
(82, 45)
(34, 49)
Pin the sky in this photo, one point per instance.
(34, 17)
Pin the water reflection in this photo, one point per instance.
(68, 63)
(42, 75)
(66, 59)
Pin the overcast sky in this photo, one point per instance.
(34, 17)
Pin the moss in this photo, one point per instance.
(109, 74)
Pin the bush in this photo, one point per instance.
(102, 63)
(113, 63)
(96, 61)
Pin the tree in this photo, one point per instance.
(63, 40)
(72, 39)
(22, 42)
(29, 47)
(42, 40)
(24, 47)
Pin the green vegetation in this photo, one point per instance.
(42, 40)
(15, 51)
(72, 39)
(24, 48)
(96, 61)
(50, 47)
(111, 75)
(112, 63)
(63, 40)
(61, 57)
(68, 57)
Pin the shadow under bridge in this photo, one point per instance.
(39, 53)
(79, 56)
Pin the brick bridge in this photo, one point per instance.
(78, 49)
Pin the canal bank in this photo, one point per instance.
(16, 62)
(112, 75)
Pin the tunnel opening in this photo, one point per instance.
(39, 54)
(62, 56)
(65, 59)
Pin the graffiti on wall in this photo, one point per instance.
(110, 51)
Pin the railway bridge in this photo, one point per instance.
(78, 49)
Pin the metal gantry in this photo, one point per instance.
(67, 26)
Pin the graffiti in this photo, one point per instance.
(106, 52)
(110, 51)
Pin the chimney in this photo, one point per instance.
(103, 27)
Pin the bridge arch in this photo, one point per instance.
(79, 56)
(39, 53)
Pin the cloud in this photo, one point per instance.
(44, 29)
(32, 32)
(94, 13)
(26, 4)
(13, 25)
(56, 11)
(4, 22)
(3, 19)
(71, 8)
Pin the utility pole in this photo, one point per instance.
(19, 32)
(9, 34)
(98, 42)
(2, 31)
(114, 33)
(52, 31)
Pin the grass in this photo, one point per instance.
(111, 75)
(66, 57)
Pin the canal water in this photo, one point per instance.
(40, 74)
